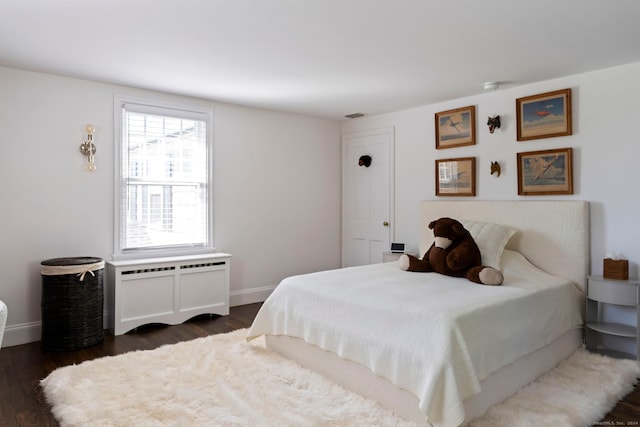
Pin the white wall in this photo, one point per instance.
(605, 143)
(276, 189)
(277, 177)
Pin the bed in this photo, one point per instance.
(435, 349)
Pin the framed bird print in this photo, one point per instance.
(545, 172)
(455, 128)
(544, 115)
(456, 177)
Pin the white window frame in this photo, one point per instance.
(160, 107)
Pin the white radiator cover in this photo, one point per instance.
(166, 290)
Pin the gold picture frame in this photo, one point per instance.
(545, 115)
(545, 172)
(456, 177)
(456, 128)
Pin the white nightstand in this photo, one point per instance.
(392, 256)
(608, 337)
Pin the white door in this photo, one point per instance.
(367, 214)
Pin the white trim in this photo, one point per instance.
(152, 104)
(22, 333)
(250, 296)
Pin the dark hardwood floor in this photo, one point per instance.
(22, 402)
(22, 367)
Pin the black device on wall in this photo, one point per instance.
(397, 248)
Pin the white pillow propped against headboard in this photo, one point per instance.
(553, 235)
(491, 240)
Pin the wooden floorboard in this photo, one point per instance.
(22, 402)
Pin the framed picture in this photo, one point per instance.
(455, 128)
(544, 116)
(456, 177)
(545, 172)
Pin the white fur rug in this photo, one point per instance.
(222, 381)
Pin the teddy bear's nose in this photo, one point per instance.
(442, 242)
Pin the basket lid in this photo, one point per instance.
(71, 261)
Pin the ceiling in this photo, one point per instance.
(324, 58)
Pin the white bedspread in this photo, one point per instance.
(433, 335)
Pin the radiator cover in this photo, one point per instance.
(166, 290)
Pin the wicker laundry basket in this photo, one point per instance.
(72, 303)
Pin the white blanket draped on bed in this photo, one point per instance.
(433, 335)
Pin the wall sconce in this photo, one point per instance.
(88, 149)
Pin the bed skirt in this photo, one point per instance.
(495, 388)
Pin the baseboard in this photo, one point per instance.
(31, 332)
(250, 296)
(22, 334)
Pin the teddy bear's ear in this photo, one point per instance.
(457, 227)
(432, 224)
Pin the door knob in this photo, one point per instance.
(386, 223)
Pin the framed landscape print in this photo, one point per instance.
(455, 128)
(544, 116)
(456, 177)
(545, 172)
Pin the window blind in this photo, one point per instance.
(164, 188)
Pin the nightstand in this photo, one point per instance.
(393, 256)
(390, 256)
(611, 337)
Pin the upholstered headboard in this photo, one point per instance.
(553, 235)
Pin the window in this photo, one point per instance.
(163, 197)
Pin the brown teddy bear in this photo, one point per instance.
(453, 253)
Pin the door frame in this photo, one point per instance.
(390, 131)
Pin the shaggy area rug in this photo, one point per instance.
(221, 380)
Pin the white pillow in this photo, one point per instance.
(491, 239)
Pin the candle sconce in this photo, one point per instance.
(88, 149)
